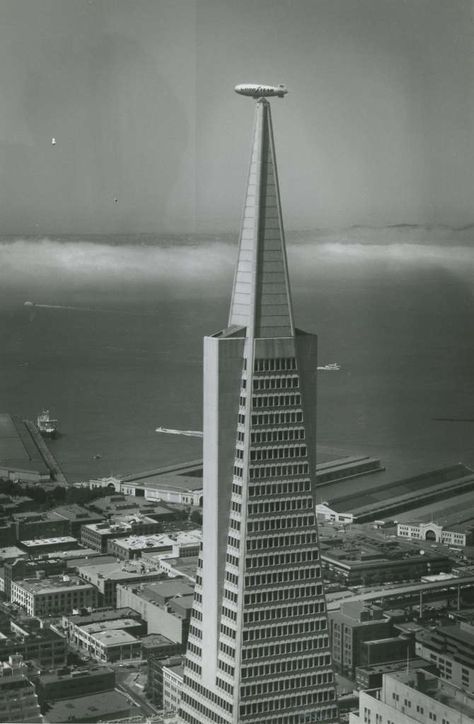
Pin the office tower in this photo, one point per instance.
(258, 648)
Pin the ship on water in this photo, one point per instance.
(331, 367)
(46, 424)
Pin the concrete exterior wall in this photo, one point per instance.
(158, 619)
(223, 360)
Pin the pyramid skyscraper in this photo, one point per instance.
(258, 648)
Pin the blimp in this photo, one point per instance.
(257, 90)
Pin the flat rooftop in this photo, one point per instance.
(160, 592)
(116, 637)
(123, 524)
(110, 625)
(60, 540)
(52, 584)
(117, 571)
(142, 542)
(105, 614)
(11, 552)
(161, 540)
(438, 689)
(92, 707)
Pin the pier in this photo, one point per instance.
(48, 457)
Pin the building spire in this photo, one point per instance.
(261, 299)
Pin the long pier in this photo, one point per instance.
(46, 453)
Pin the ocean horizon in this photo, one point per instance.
(114, 346)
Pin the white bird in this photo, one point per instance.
(53, 141)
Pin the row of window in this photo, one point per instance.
(279, 506)
(284, 594)
(226, 649)
(194, 631)
(281, 541)
(297, 433)
(283, 648)
(225, 667)
(190, 719)
(229, 613)
(267, 524)
(273, 687)
(227, 631)
(267, 579)
(234, 542)
(233, 560)
(207, 693)
(224, 685)
(266, 614)
(274, 401)
(287, 629)
(281, 559)
(281, 488)
(275, 418)
(282, 667)
(289, 702)
(277, 471)
(276, 453)
(275, 383)
(275, 365)
(197, 706)
(190, 664)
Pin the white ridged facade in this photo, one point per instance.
(258, 648)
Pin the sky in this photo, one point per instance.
(377, 127)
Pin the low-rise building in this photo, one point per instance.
(97, 535)
(371, 677)
(349, 628)
(11, 553)
(361, 561)
(18, 699)
(94, 708)
(75, 516)
(179, 567)
(414, 696)
(31, 525)
(38, 546)
(67, 682)
(164, 605)
(20, 569)
(105, 577)
(53, 596)
(33, 641)
(459, 535)
(451, 649)
(181, 544)
(108, 635)
(156, 682)
(172, 685)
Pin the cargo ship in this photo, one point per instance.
(46, 424)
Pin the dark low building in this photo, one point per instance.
(20, 569)
(67, 683)
(370, 677)
(155, 676)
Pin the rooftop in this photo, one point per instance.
(110, 625)
(165, 591)
(117, 571)
(53, 583)
(60, 540)
(91, 708)
(105, 614)
(437, 689)
(115, 637)
(120, 525)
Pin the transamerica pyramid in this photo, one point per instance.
(258, 648)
